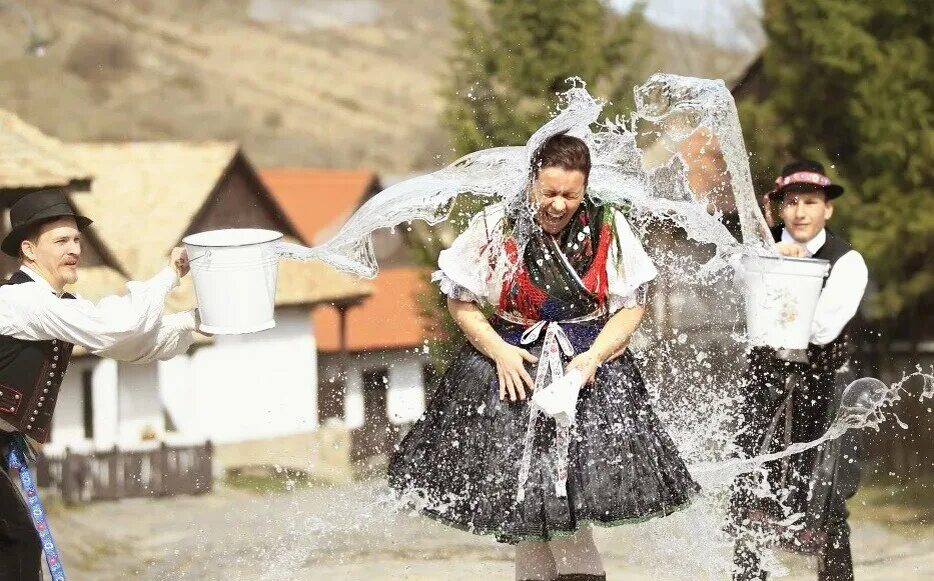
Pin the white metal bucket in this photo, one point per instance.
(781, 296)
(234, 272)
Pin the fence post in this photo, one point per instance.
(115, 468)
(43, 478)
(68, 481)
(162, 463)
(207, 468)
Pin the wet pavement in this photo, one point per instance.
(350, 532)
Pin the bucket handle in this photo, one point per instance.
(206, 253)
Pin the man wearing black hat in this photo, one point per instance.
(792, 397)
(39, 325)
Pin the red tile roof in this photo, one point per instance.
(318, 200)
(388, 319)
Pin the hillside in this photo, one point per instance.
(344, 83)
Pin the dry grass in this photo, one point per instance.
(362, 95)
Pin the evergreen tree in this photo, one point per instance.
(850, 83)
(514, 56)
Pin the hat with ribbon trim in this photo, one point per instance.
(805, 175)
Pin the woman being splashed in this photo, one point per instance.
(482, 458)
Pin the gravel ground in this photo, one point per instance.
(349, 533)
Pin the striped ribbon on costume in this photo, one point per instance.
(17, 461)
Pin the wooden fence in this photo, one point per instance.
(115, 474)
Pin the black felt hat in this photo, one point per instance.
(805, 175)
(34, 209)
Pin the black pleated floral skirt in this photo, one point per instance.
(459, 464)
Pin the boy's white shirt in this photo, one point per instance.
(842, 293)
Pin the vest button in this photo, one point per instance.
(29, 427)
(41, 398)
(38, 405)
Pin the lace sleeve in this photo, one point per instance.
(452, 289)
(464, 269)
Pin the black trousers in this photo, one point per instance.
(20, 548)
(834, 559)
(811, 400)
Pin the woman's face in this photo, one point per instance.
(558, 193)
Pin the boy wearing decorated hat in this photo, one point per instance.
(40, 323)
(792, 396)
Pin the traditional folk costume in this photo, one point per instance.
(501, 468)
(38, 329)
(794, 399)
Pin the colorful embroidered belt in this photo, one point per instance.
(16, 457)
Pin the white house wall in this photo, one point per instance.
(179, 398)
(140, 403)
(242, 387)
(405, 399)
(253, 386)
(106, 398)
(68, 421)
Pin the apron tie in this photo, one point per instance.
(550, 364)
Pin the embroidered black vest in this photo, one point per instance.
(834, 355)
(31, 374)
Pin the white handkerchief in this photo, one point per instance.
(559, 399)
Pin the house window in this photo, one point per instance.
(375, 436)
(375, 386)
(87, 402)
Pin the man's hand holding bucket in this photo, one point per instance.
(179, 261)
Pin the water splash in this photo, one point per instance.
(864, 404)
(680, 164)
(639, 163)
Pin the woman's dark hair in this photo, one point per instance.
(568, 153)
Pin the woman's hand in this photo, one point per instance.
(510, 370)
(586, 363)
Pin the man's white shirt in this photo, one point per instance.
(842, 293)
(129, 328)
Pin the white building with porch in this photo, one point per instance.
(254, 396)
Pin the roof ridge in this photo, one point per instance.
(49, 163)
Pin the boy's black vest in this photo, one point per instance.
(834, 355)
(31, 375)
